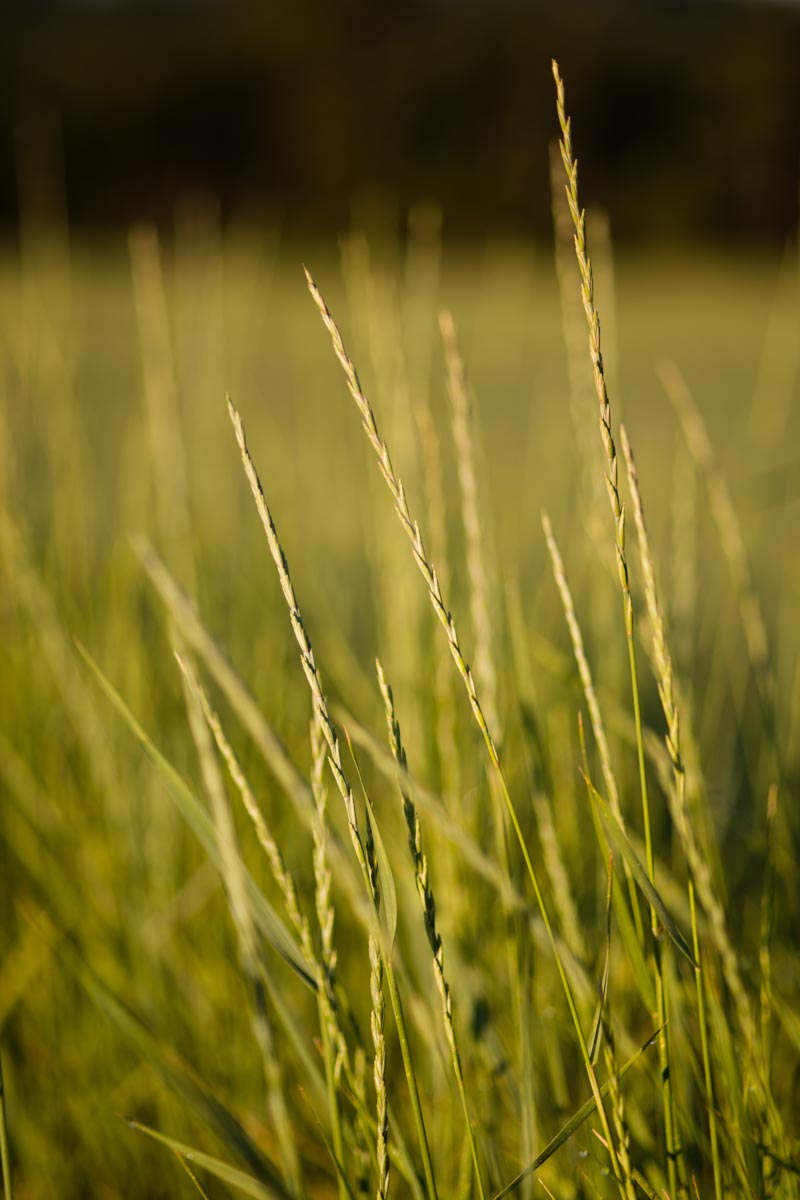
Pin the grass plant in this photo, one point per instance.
(546, 944)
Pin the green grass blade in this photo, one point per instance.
(431, 804)
(388, 891)
(172, 1069)
(594, 1037)
(573, 1124)
(198, 1185)
(198, 820)
(622, 847)
(230, 1175)
(4, 1156)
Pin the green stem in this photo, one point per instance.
(329, 1053)
(701, 1014)
(4, 1157)
(661, 1004)
(584, 1049)
(405, 1051)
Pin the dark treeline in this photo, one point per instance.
(686, 115)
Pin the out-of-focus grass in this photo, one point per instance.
(104, 891)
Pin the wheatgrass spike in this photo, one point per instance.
(265, 837)
(373, 298)
(579, 378)
(308, 662)
(428, 572)
(334, 1046)
(182, 610)
(618, 513)
(425, 893)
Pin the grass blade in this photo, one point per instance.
(198, 820)
(573, 1124)
(4, 1156)
(230, 1175)
(625, 850)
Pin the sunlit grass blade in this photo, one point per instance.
(184, 613)
(319, 699)
(240, 1181)
(572, 1125)
(202, 827)
(5, 1162)
(251, 959)
(388, 891)
(434, 808)
(597, 1027)
(167, 1063)
(626, 852)
(188, 1170)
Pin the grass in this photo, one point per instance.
(527, 953)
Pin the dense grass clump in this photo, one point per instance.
(405, 809)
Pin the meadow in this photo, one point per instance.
(536, 932)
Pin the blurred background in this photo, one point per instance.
(687, 112)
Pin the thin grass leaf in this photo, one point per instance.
(173, 1070)
(622, 846)
(642, 1183)
(201, 825)
(433, 807)
(573, 1124)
(338, 1165)
(388, 891)
(230, 1175)
(597, 1027)
(4, 1155)
(185, 1166)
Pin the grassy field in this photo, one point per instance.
(167, 957)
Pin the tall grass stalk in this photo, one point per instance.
(666, 691)
(428, 902)
(700, 873)
(377, 1028)
(334, 1045)
(244, 704)
(309, 665)
(333, 1042)
(5, 1164)
(428, 572)
(732, 542)
(252, 965)
(618, 513)
(486, 677)
(590, 695)
(443, 683)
